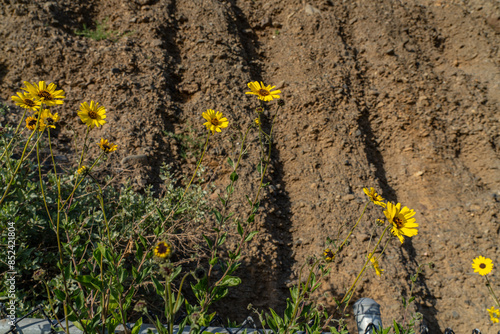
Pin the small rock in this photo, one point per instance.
(156, 43)
(494, 22)
(134, 159)
(390, 52)
(310, 10)
(115, 70)
(349, 197)
(419, 173)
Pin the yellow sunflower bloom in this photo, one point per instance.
(328, 255)
(402, 221)
(47, 119)
(375, 264)
(31, 123)
(215, 120)
(47, 95)
(482, 265)
(162, 250)
(106, 146)
(262, 91)
(257, 122)
(374, 197)
(494, 314)
(93, 114)
(24, 100)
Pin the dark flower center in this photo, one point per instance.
(263, 92)
(215, 121)
(162, 248)
(106, 147)
(49, 121)
(482, 266)
(329, 253)
(398, 221)
(46, 95)
(32, 122)
(29, 103)
(93, 114)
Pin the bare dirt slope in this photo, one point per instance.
(399, 95)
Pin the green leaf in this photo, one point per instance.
(61, 295)
(231, 281)
(137, 326)
(209, 242)
(250, 236)
(162, 216)
(251, 218)
(218, 215)
(222, 239)
(249, 200)
(230, 162)
(213, 261)
(158, 286)
(234, 177)
(240, 229)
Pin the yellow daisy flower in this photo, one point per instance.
(375, 264)
(374, 197)
(31, 123)
(106, 146)
(263, 93)
(93, 114)
(47, 119)
(162, 250)
(257, 122)
(215, 120)
(402, 221)
(47, 95)
(82, 170)
(24, 100)
(482, 265)
(494, 314)
(328, 254)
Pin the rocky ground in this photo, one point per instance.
(399, 95)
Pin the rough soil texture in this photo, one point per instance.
(399, 95)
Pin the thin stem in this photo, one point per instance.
(488, 284)
(14, 136)
(41, 184)
(348, 294)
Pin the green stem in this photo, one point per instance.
(352, 230)
(488, 284)
(41, 184)
(14, 136)
(348, 294)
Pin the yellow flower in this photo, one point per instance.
(162, 250)
(328, 254)
(402, 221)
(47, 119)
(482, 265)
(257, 122)
(263, 93)
(93, 114)
(494, 314)
(82, 170)
(31, 123)
(375, 264)
(374, 197)
(24, 100)
(106, 146)
(47, 95)
(215, 120)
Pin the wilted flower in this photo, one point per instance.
(38, 274)
(106, 146)
(141, 306)
(374, 197)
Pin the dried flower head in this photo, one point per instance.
(141, 306)
(38, 274)
(199, 273)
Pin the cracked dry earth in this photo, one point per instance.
(399, 95)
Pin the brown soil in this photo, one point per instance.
(399, 95)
